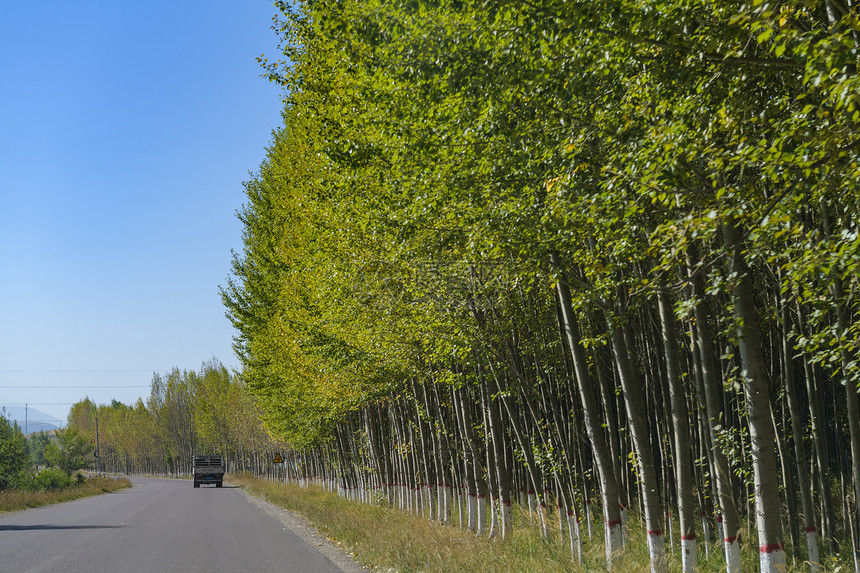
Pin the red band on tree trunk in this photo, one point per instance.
(730, 540)
(812, 529)
(613, 523)
(771, 547)
(655, 532)
(690, 537)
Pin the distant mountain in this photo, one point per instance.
(32, 420)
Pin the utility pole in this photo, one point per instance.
(98, 460)
(26, 417)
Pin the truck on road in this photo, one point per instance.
(208, 469)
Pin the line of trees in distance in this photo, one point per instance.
(187, 413)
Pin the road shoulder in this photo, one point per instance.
(307, 533)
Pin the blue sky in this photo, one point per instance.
(126, 131)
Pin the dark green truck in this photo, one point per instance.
(208, 469)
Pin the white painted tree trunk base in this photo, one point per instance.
(506, 520)
(575, 536)
(447, 510)
(812, 550)
(495, 527)
(588, 518)
(532, 499)
(625, 532)
(671, 532)
(689, 554)
(733, 555)
(544, 525)
(472, 510)
(613, 542)
(657, 552)
(481, 502)
(772, 559)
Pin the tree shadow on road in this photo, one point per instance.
(36, 527)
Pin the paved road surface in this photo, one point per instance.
(164, 525)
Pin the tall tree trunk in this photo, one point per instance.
(469, 457)
(843, 323)
(635, 402)
(613, 437)
(425, 434)
(444, 462)
(683, 461)
(503, 476)
(799, 449)
(705, 445)
(593, 426)
(522, 438)
(766, 475)
(822, 457)
(713, 390)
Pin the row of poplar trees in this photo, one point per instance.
(591, 251)
(188, 412)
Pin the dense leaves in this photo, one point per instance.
(71, 451)
(444, 166)
(13, 452)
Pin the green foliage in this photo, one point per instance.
(37, 443)
(13, 451)
(442, 165)
(46, 479)
(433, 155)
(52, 478)
(70, 452)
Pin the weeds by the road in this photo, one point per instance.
(13, 500)
(391, 540)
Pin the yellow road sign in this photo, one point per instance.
(278, 459)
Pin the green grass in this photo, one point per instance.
(14, 500)
(393, 541)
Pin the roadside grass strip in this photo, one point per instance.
(388, 540)
(15, 499)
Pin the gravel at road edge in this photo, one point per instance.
(307, 533)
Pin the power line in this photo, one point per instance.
(69, 387)
(38, 403)
(27, 371)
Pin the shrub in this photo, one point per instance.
(24, 481)
(51, 478)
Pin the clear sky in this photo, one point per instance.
(126, 131)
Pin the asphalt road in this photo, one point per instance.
(164, 525)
